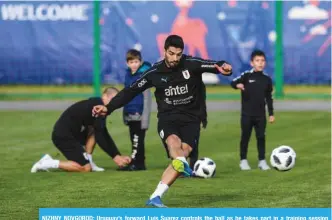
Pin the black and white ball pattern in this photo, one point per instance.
(205, 168)
(283, 158)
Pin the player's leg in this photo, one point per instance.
(72, 150)
(138, 148)
(44, 164)
(186, 150)
(132, 138)
(169, 133)
(140, 156)
(90, 145)
(172, 172)
(190, 134)
(194, 154)
(178, 156)
(179, 149)
(260, 126)
(246, 129)
(72, 166)
(137, 138)
(77, 159)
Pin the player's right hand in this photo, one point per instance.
(99, 110)
(121, 161)
(240, 86)
(127, 159)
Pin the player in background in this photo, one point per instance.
(136, 114)
(177, 80)
(67, 137)
(256, 91)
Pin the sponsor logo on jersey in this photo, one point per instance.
(177, 90)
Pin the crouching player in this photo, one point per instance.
(67, 137)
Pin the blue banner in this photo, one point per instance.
(185, 214)
(51, 42)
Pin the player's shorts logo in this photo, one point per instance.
(186, 74)
(161, 133)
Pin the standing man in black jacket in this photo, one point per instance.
(256, 91)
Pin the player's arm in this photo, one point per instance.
(105, 142)
(211, 66)
(124, 96)
(127, 94)
(268, 97)
(238, 82)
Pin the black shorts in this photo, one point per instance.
(187, 132)
(70, 147)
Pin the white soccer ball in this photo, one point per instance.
(205, 168)
(283, 158)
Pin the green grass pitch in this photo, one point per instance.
(26, 135)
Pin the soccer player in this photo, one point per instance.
(177, 80)
(68, 132)
(256, 91)
(136, 114)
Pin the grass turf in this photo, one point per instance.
(26, 136)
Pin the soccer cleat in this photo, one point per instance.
(38, 166)
(263, 165)
(95, 168)
(182, 167)
(244, 165)
(46, 157)
(156, 202)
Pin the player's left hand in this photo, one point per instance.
(225, 69)
(271, 119)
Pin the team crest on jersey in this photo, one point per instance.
(186, 74)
